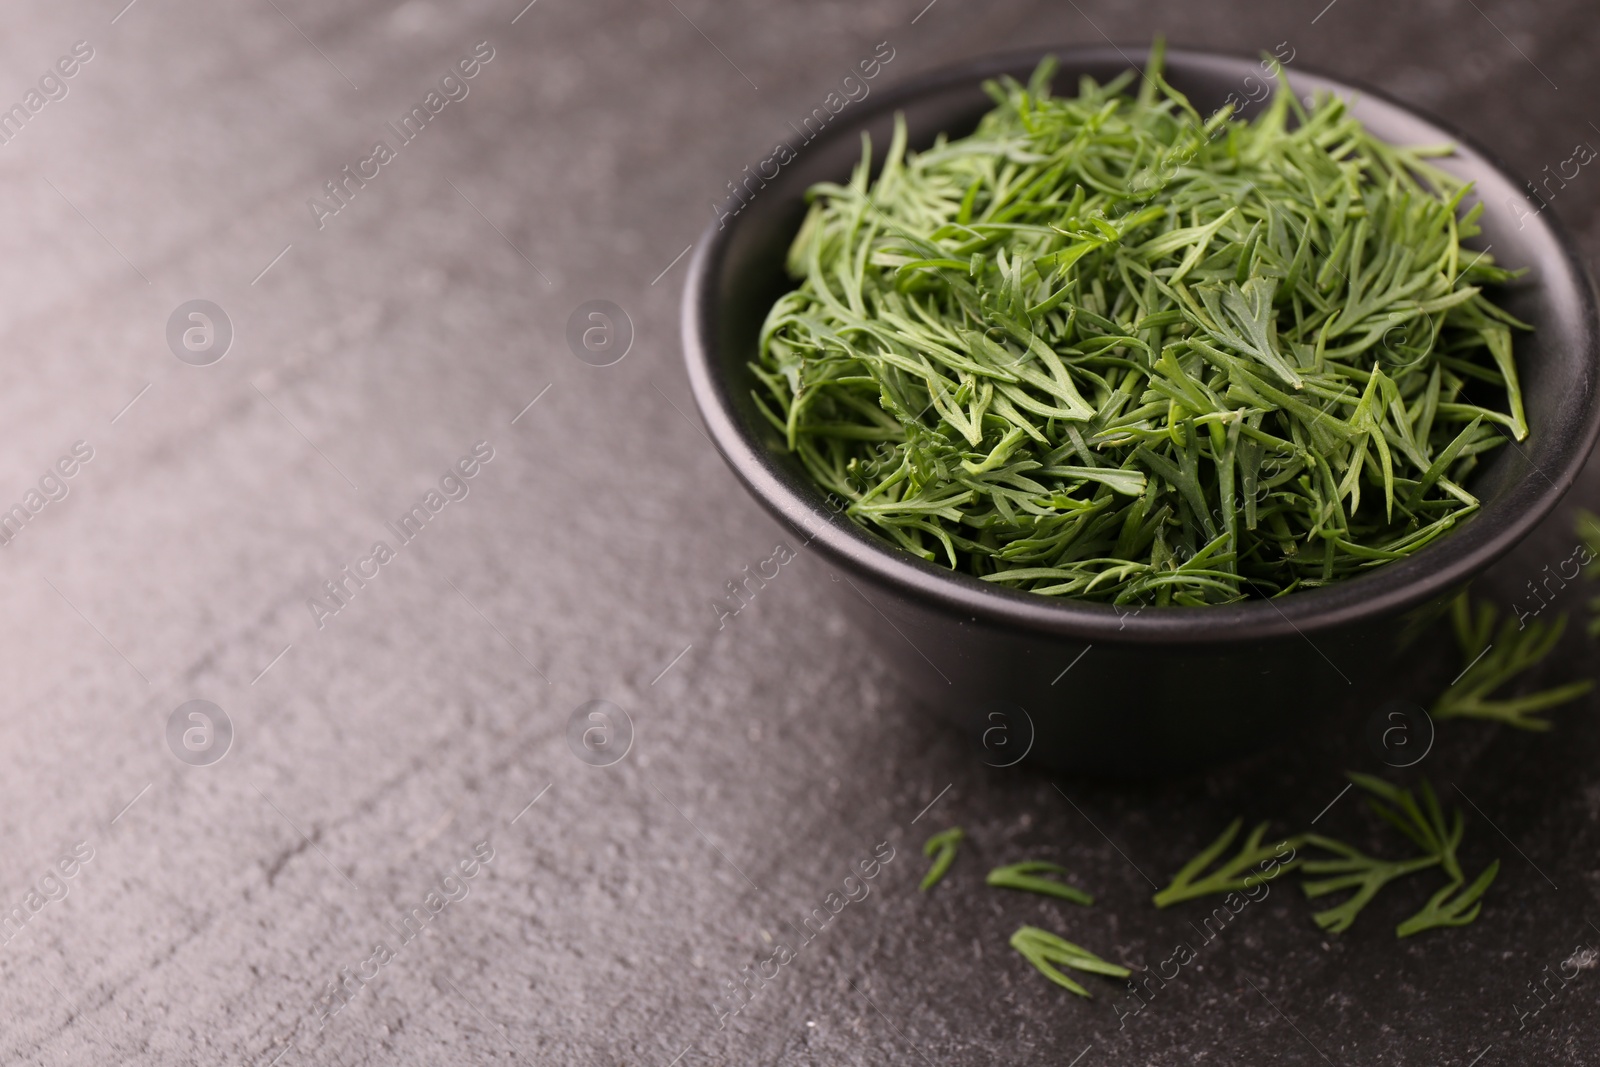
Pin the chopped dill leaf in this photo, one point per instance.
(1026, 876)
(1044, 949)
(944, 844)
(1102, 349)
(1239, 873)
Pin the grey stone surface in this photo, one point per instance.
(371, 755)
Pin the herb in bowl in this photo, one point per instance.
(1107, 348)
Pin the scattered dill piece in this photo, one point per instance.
(944, 844)
(1417, 815)
(1457, 911)
(1355, 870)
(1026, 876)
(1491, 664)
(1424, 824)
(1104, 348)
(1044, 950)
(1588, 525)
(1253, 864)
(1589, 530)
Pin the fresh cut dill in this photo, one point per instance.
(1106, 347)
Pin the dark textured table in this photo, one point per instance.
(398, 767)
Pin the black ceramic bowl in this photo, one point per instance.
(1092, 687)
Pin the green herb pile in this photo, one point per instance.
(1107, 348)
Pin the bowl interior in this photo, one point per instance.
(739, 273)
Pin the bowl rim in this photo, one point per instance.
(1429, 575)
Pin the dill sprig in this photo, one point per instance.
(1491, 664)
(1424, 824)
(1027, 876)
(1458, 910)
(1589, 531)
(1355, 870)
(1107, 348)
(942, 846)
(1044, 949)
(1253, 864)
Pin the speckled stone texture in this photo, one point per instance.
(372, 753)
